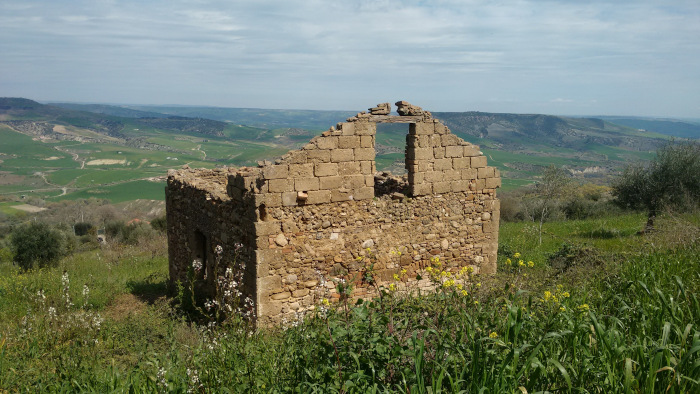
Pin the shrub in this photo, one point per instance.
(671, 179)
(160, 224)
(39, 245)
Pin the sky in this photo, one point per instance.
(568, 57)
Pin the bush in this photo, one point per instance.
(671, 179)
(38, 245)
(160, 224)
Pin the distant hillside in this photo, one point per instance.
(103, 119)
(675, 128)
(516, 131)
(263, 118)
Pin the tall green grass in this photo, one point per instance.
(623, 321)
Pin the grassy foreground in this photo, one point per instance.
(595, 308)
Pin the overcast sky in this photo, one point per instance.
(572, 57)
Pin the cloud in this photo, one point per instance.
(328, 54)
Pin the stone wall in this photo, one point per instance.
(302, 223)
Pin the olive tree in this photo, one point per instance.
(38, 245)
(671, 179)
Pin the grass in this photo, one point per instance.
(624, 321)
(126, 191)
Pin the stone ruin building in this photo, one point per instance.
(295, 227)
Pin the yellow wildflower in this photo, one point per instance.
(530, 263)
(325, 302)
(464, 293)
(392, 287)
(521, 263)
(429, 269)
(508, 262)
(476, 302)
(403, 272)
(493, 335)
(562, 308)
(583, 307)
(565, 294)
(478, 285)
(396, 277)
(547, 295)
(459, 286)
(517, 255)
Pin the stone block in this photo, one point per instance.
(364, 153)
(330, 182)
(480, 184)
(330, 142)
(454, 151)
(301, 170)
(348, 128)
(478, 161)
(280, 171)
(354, 181)
(419, 153)
(471, 150)
(340, 195)
(348, 142)
(319, 155)
(268, 283)
(289, 199)
(492, 183)
(369, 180)
(481, 173)
(367, 168)
(416, 177)
(422, 189)
(487, 227)
(452, 175)
(459, 163)
(296, 157)
(306, 184)
(280, 185)
(442, 187)
(422, 128)
(425, 165)
(469, 173)
(460, 186)
(442, 164)
(496, 172)
(339, 155)
(450, 140)
(319, 197)
(349, 168)
(269, 199)
(367, 141)
(267, 228)
(326, 169)
(365, 128)
(439, 152)
(365, 193)
(434, 176)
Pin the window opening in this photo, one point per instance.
(390, 159)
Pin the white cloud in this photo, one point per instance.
(328, 54)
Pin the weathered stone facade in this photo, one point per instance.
(299, 224)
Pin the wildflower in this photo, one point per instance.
(476, 302)
(562, 308)
(583, 308)
(429, 269)
(392, 287)
(478, 285)
(218, 250)
(547, 295)
(516, 255)
(396, 277)
(521, 263)
(530, 263)
(448, 283)
(403, 271)
(197, 265)
(493, 335)
(325, 302)
(464, 293)
(459, 286)
(508, 262)
(565, 294)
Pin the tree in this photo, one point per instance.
(548, 191)
(37, 244)
(671, 179)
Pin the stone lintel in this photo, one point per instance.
(395, 119)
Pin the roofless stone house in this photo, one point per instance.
(296, 225)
